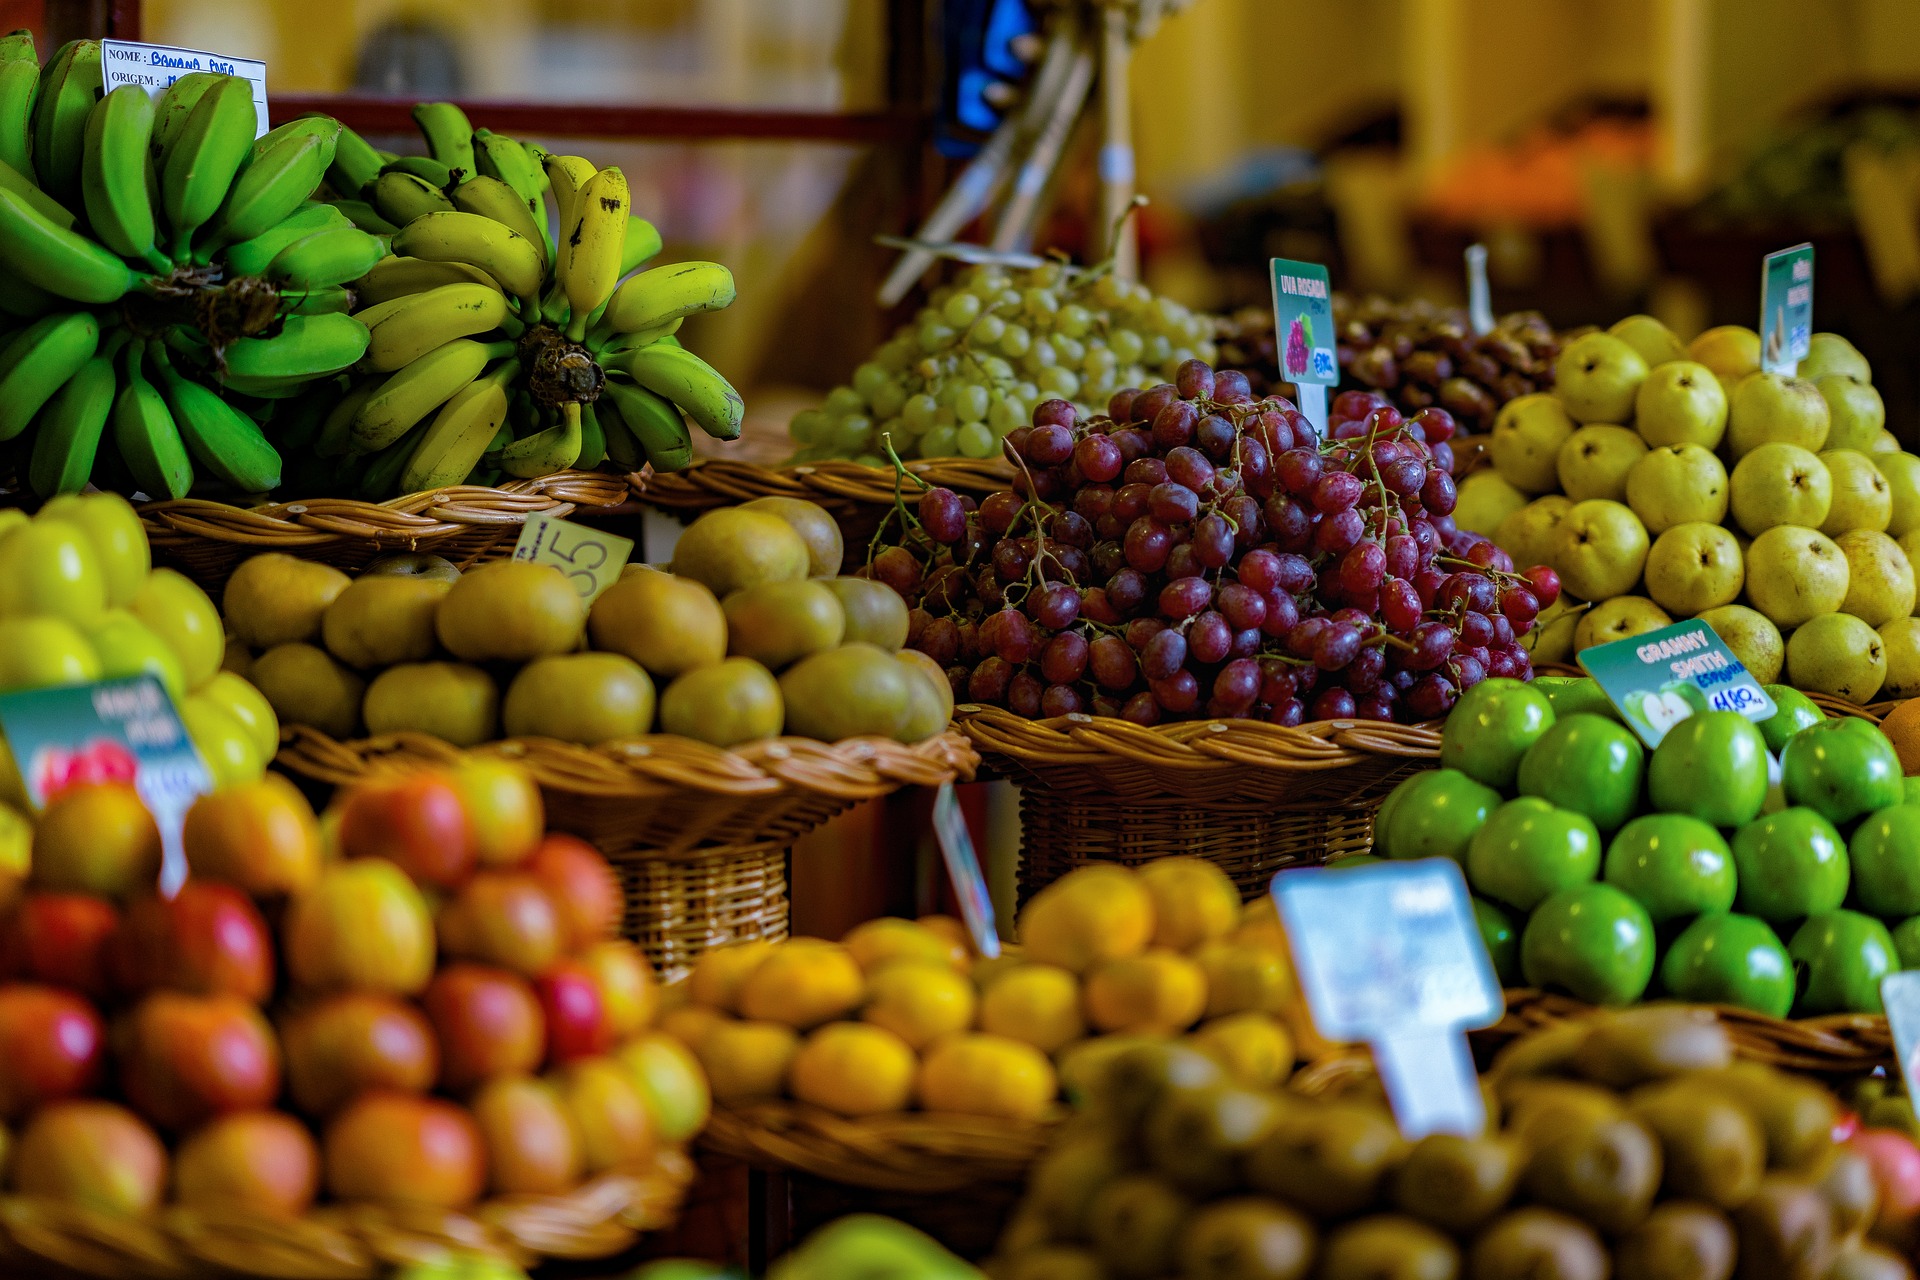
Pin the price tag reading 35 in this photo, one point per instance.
(591, 559)
(1659, 678)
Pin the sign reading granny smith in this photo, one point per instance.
(1389, 954)
(1659, 678)
(1786, 308)
(963, 868)
(1303, 322)
(591, 559)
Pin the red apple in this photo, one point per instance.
(260, 1160)
(209, 940)
(66, 939)
(504, 802)
(91, 1154)
(577, 1023)
(343, 1045)
(51, 1044)
(417, 822)
(397, 1147)
(583, 887)
(488, 1023)
(504, 918)
(627, 989)
(532, 1148)
(188, 1059)
(1896, 1171)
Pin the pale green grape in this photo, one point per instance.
(1006, 413)
(842, 401)
(935, 337)
(971, 403)
(944, 417)
(853, 434)
(888, 399)
(976, 441)
(1074, 320)
(1109, 292)
(1126, 345)
(897, 429)
(807, 426)
(938, 298)
(987, 330)
(1157, 350)
(1029, 392)
(1046, 275)
(895, 354)
(919, 410)
(1040, 357)
(1070, 350)
(1016, 341)
(869, 378)
(1008, 302)
(1180, 356)
(1040, 303)
(1064, 383)
(986, 283)
(994, 369)
(939, 443)
(872, 460)
(961, 310)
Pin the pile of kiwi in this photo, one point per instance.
(1632, 1146)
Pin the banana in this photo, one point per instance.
(19, 85)
(17, 46)
(670, 370)
(654, 422)
(306, 347)
(365, 217)
(28, 301)
(461, 432)
(396, 277)
(67, 433)
(69, 87)
(593, 440)
(420, 323)
(479, 241)
(203, 160)
(224, 441)
(329, 300)
(252, 257)
(381, 476)
(296, 424)
(355, 165)
(145, 435)
(497, 156)
(619, 344)
(665, 294)
(449, 135)
(566, 176)
(492, 198)
(38, 362)
(402, 197)
(12, 179)
(334, 256)
(643, 241)
(420, 388)
(175, 105)
(545, 452)
(336, 429)
(286, 167)
(58, 260)
(116, 176)
(622, 449)
(594, 240)
(434, 173)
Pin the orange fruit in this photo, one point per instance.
(1036, 1004)
(1902, 727)
(260, 836)
(987, 1076)
(1094, 913)
(747, 1059)
(888, 939)
(854, 1069)
(919, 1001)
(690, 1023)
(803, 982)
(98, 838)
(717, 975)
(954, 932)
(1160, 991)
(1193, 902)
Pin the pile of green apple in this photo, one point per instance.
(1664, 481)
(1613, 873)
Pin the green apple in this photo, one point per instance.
(1588, 764)
(1780, 483)
(1528, 849)
(1491, 727)
(1712, 766)
(1723, 958)
(1694, 567)
(1501, 939)
(1600, 549)
(1576, 695)
(49, 567)
(1732, 351)
(1527, 534)
(1906, 943)
(1383, 816)
(119, 541)
(1845, 955)
(1900, 640)
(1654, 341)
(1681, 403)
(1672, 864)
(1597, 377)
(1752, 637)
(1861, 497)
(1788, 865)
(1594, 462)
(1792, 712)
(1829, 353)
(1855, 413)
(39, 651)
(127, 647)
(1439, 814)
(1618, 619)
(1841, 768)
(1880, 584)
(1592, 941)
(1484, 501)
(1839, 655)
(1772, 407)
(1527, 435)
(1677, 484)
(1885, 855)
(1794, 574)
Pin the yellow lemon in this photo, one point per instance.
(690, 1024)
(854, 1070)
(883, 941)
(986, 1075)
(1241, 979)
(956, 935)
(746, 1059)
(803, 982)
(1254, 1048)
(1095, 913)
(988, 972)
(1036, 1004)
(1193, 902)
(919, 1001)
(717, 975)
(1159, 991)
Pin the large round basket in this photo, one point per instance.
(700, 836)
(1251, 797)
(603, 1217)
(859, 497)
(1874, 711)
(464, 523)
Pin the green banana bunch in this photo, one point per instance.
(19, 87)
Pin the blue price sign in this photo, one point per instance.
(1659, 678)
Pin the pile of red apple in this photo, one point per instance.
(418, 998)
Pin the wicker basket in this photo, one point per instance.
(1252, 797)
(464, 523)
(698, 834)
(1874, 711)
(601, 1218)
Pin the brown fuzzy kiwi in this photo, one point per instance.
(1604, 1172)
(1331, 1160)
(1654, 1042)
(1388, 1247)
(1457, 1183)
(1678, 1241)
(1713, 1148)
(1786, 1231)
(1537, 1244)
(1246, 1238)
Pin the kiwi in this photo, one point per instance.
(1653, 1043)
(1868, 1262)
(1538, 1244)
(1196, 1137)
(1603, 1172)
(1714, 1150)
(1796, 1115)
(1457, 1183)
(1849, 1186)
(1388, 1247)
(1025, 1231)
(1065, 1180)
(1330, 1160)
(1134, 1224)
(1678, 1241)
(1786, 1231)
(1555, 1051)
(1127, 1085)
(1537, 1110)
(1054, 1262)
(1250, 1238)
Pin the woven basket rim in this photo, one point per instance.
(712, 482)
(1875, 711)
(913, 1151)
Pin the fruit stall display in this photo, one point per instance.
(1663, 482)
(343, 1042)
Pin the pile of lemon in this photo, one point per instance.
(901, 1014)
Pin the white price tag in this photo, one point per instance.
(591, 559)
(1900, 994)
(963, 867)
(1479, 296)
(155, 66)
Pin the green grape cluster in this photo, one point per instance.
(989, 347)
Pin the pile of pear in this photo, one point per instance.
(1664, 480)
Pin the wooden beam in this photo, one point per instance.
(377, 116)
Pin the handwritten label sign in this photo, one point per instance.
(963, 868)
(591, 558)
(1390, 954)
(1659, 678)
(1303, 323)
(1786, 308)
(155, 66)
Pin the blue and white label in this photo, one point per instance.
(155, 66)
(963, 868)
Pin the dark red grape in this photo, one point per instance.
(1094, 500)
(1023, 695)
(1183, 563)
(1259, 569)
(1215, 435)
(1356, 404)
(1053, 606)
(1348, 429)
(1481, 554)
(1432, 643)
(1336, 491)
(1336, 646)
(1501, 562)
(989, 680)
(1249, 527)
(1362, 567)
(897, 567)
(1059, 700)
(1165, 654)
(1230, 386)
(1148, 544)
(1063, 659)
(1289, 522)
(1431, 696)
(1442, 456)
(1404, 476)
(1384, 420)
(1070, 528)
(1436, 423)
(1174, 424)
(1098, 458)
(1427, 583)
(1276, 680)
(1112, 662)
(1213, 541)
(1147, 471)
(1475, 629)
(1148, 404)
(1298, 470)
(1120, 405)
(1011, 558)
(1256, 466)
(1141, 709)
(1053, 413)
(1188, 466)
(941, 515)
(1545, 582)
(1095, 607)
(1237, 685)
(940, 641)
(1363, 674)
(1332, 704)
(1140, 630)
(1301, 640)
(997, 512)
(1468, 671)
(1134, 442)
(1502, 630)
(1184, 597)
(1338, 532)
(1130, 501)
(1282, 615)
(947, 588)
(1108, 557)
(1209, 637)
(1009, 634)
(1171, 502)
(1194, 379)
(1403, 555)
(1242, 606)
(1377, 705)
(1050, 444)
(1520, 607)
(1177, 694)
(1399, 604)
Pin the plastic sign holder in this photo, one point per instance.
(155, 66)
(1660, 677)
(1389, 954)
(591, 559)
(1786, 309)
(1479, 295)
(1900, 995)
(1303, 325)
(963, 868)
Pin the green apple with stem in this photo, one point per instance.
(1792, 712)
(1588, 764)
(1694, 567)
(1438, 815)
(1712, 765)
(1592, 941)
(1845, 954)
(1842, 769)
(1885, 855)
(1862, 498)
(1880, 582)
(1724, 958)
(1788, 865)
(1600, 549)
(1491, 728)
(1779, 483)
(1672, 864)
(1839, 655)
(1795, 574)
(1527, 435)
(1529, 849)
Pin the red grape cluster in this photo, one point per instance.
(1198, 553)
